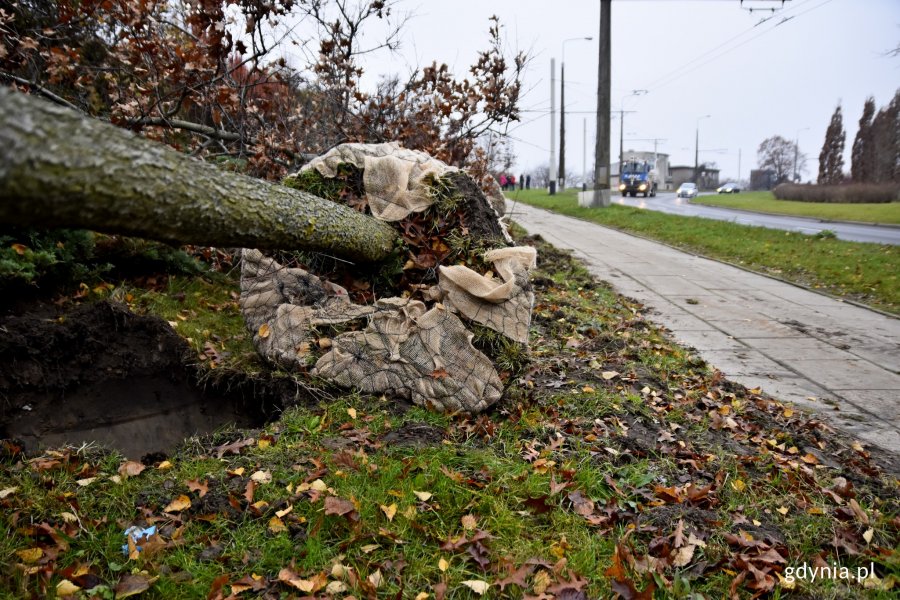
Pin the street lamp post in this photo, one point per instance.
(697, 150)
(622, 127)
(562, 110)
(796, 152)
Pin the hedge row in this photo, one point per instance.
(850, 193)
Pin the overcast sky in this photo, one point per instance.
(694, 57)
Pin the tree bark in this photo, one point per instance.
(61, 169)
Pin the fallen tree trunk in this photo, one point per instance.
(61, 169)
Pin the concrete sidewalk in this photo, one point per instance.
(833, 358)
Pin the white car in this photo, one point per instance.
(687, 190)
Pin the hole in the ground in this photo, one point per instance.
(102, 374)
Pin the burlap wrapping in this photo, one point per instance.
(502, 304)
(394, 178)
(399, 347)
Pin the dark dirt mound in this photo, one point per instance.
(102, 373)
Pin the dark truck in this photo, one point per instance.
(637, 177)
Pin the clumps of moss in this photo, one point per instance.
(509, 357)
(346, 187)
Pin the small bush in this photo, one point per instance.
(852, 193)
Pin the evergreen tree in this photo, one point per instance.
(862, 165)
(831, 159)
(886, 143)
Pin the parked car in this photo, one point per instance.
(729, 188)
(687, 190)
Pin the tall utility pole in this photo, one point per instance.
(552, 126)
(584, 155)
(600, 197)
(697, 151)
(562, 111)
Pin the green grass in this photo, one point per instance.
(863, 272)
(765, 202)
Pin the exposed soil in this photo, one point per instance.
(102, 373)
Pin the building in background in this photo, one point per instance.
(708, 177)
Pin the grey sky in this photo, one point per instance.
(695, 57)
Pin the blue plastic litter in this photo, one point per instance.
(137, 534)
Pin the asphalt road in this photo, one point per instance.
(667, 202)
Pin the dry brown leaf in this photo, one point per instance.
(131, 468)
(195, 485)
(264, 331)
(469, 522)
(132, 585)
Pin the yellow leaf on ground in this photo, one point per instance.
(66, 588)
(389, 511)
(423, 496)
(7, 492)
(86, 482)
(477, 586)
(281, 513)
(351, 412)
(868, 535)
(739, 485)
(423, 596)
(178, 504)
(782, 509)
(443, 565)
(609, 375)
(165, 465)
(264, 331)
(30, 556)
(276, 525)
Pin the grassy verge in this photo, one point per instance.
(617, 463)
(866, 273)
(765, 202)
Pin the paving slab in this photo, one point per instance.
(836, 359)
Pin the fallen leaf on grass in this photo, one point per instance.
(178, 504)
(66, 588)
(8, 492)
(261, 477)
(30, 556)
(389, 511)
(609, 375)
(253, 582)
(86, 481)
(233, 447)
(443, 565)
(131, 468)
(477, 586)
(132, 585)
(341, 507)
(276, 525)
(423, 496)
(469, 522)
(195, 485)
(310, 586)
